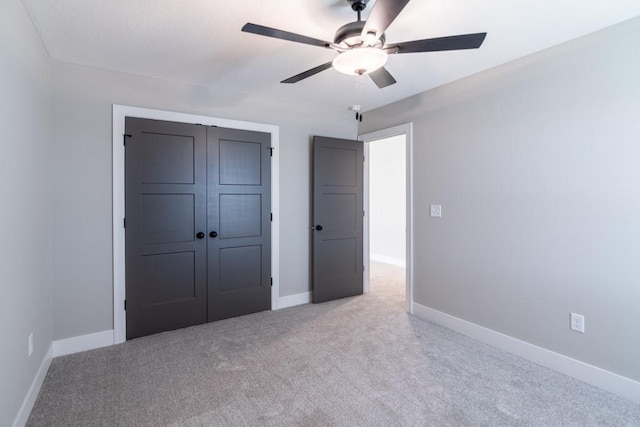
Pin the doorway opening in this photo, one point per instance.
(388, 247)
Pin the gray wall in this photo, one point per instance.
(25, 212)
(82, 244)
(387, 199)
(537, 166)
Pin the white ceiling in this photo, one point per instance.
(199, 41)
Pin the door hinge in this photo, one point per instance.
(125, 305)
(271, 281)
(124, 222)
(271, 151)
(271, 216)
(124, 138)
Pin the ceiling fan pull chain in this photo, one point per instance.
(359, 98)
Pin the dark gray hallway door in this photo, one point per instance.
(198, 234)
(337, 216)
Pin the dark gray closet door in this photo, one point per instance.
(337, 216)
(239, 224)
(165, 186)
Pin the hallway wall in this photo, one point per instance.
(387, 200)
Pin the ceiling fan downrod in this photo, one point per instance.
(358, 6)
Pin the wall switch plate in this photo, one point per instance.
(577, 322)
(436, 211)
(30, 344)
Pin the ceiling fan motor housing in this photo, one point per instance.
(350, 35)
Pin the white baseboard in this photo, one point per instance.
(59, 348)
(82, 343)
(388, 260)
(295, 299)
(30, 399)
(584, 372)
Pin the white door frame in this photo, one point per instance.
(407, 130)
(119, 114)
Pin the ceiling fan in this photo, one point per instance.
(362, 45)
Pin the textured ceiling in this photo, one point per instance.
(199, 41)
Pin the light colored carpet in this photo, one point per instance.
(355, 362)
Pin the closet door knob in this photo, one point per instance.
(213, 234)
(200, 235)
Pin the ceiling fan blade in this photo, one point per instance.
(384, 12)
(308, 73)
(464, 41)
(382, 78)
(283, 35)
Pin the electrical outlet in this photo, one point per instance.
(30, 344)
(436, 211)
(577, 322)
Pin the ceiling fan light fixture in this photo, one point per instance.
(360, 61)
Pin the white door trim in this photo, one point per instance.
(407, 130)
(119, 114)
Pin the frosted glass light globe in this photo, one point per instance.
(360, 61)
